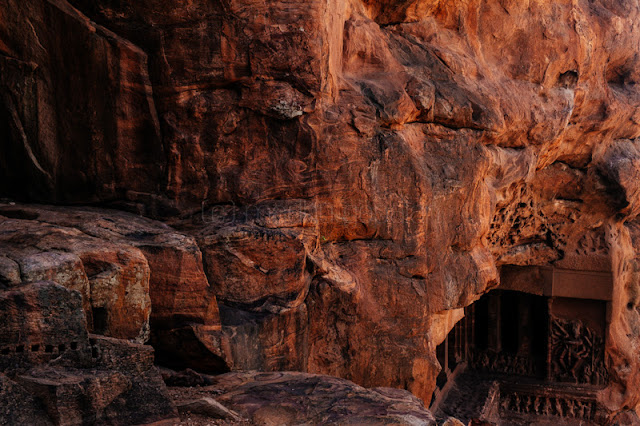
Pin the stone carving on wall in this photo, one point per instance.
(519, 230)
(576, 353)
(593, 243)
(500, 362)
(540, 405)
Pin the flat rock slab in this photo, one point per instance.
(288, 398)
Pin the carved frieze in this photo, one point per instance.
(540, 405)
(500, 362)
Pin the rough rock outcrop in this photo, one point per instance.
(113, 279)
(81, 136)
(63, 375)
(135, 275)
(353, 172)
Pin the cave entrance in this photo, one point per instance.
(510, 333)
(504, 331)
(534, 346)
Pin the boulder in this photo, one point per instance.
(19, 406)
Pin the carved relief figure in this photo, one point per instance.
(577, 353)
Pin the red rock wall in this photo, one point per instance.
(74, 138)
(361, 165)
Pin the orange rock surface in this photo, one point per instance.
(342, 177)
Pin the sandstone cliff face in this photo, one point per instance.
(344, 175)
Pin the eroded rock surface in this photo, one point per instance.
(345, 175)
(101, 262)
(108, 256)
(53, 372)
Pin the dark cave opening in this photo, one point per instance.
(513, 324)
(100, 320)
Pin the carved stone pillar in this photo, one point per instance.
(470, 337)
(472, 327)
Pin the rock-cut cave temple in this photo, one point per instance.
(533, 348)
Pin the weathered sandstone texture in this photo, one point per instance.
(341, 176)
